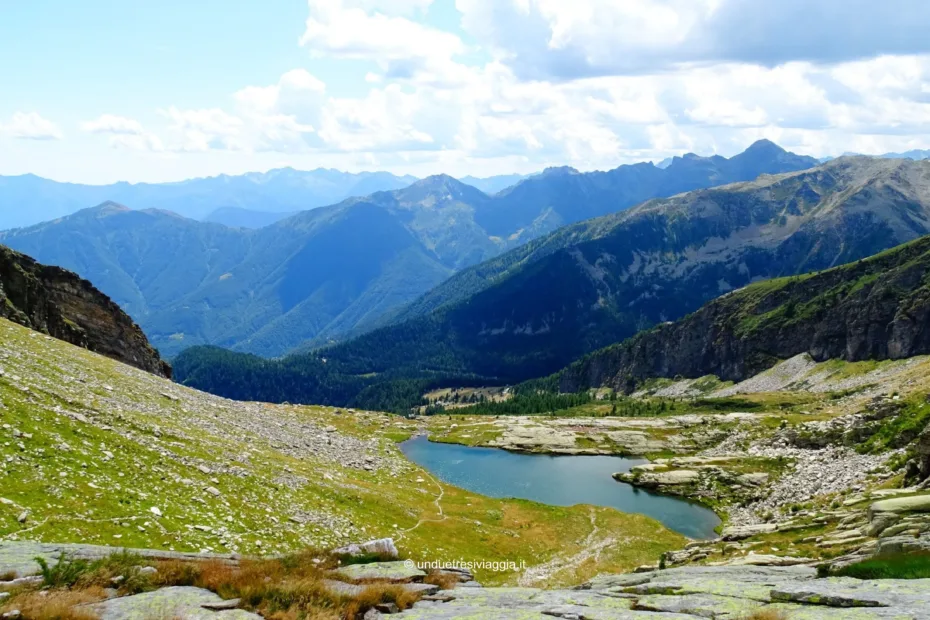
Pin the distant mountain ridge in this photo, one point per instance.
(324, 274)
(57, 302)
(26, 200)
(234, 200)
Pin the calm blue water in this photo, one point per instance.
(556, 480)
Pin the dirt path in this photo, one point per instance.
(590, 548)
(438, 504)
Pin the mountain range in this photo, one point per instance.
(249, 200)
(331, 272)
(28, 199)
(538, 307)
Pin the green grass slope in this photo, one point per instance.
(94, 451)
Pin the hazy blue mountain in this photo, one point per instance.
(235, 217)
(188, 282)
(492, 185)
(28, 199)
(915, 154)
(665, 163)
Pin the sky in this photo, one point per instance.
(104, 90)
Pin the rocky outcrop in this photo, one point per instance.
(694, 592)
(57, 302)
(175, 602)
(877, 308)
(18, 557)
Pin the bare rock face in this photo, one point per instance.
(57, 302)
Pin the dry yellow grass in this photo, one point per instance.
(445, 581)
(292, 587)
(56, 604)
(375, 594)
(767, 614)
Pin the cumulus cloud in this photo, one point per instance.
(565, 40)
(372, 30)
(124, 133)
(204, 129)
(111, 124)
(31, 126)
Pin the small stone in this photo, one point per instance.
(148, 571)
(213, 491)
(232, 603)
(23, 516)
(387, 608)
(155, 511)
(13, 614)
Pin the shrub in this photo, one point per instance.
(64, 574)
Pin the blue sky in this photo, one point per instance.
(99, 91)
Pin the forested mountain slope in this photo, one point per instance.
(873, 309)
(266, 290)
(598, 282)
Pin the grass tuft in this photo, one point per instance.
(767, 614)
(445, 581)
(64, 573)
(891, 566)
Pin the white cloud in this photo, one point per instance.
(204, 129)
(144, 141)
(385, 119)
(31, 126)
(124, 133)
(372, 30)
(566, 40)
(111, 124)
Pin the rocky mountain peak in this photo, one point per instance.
(440, 188)
(108, 208)
(764, 146)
